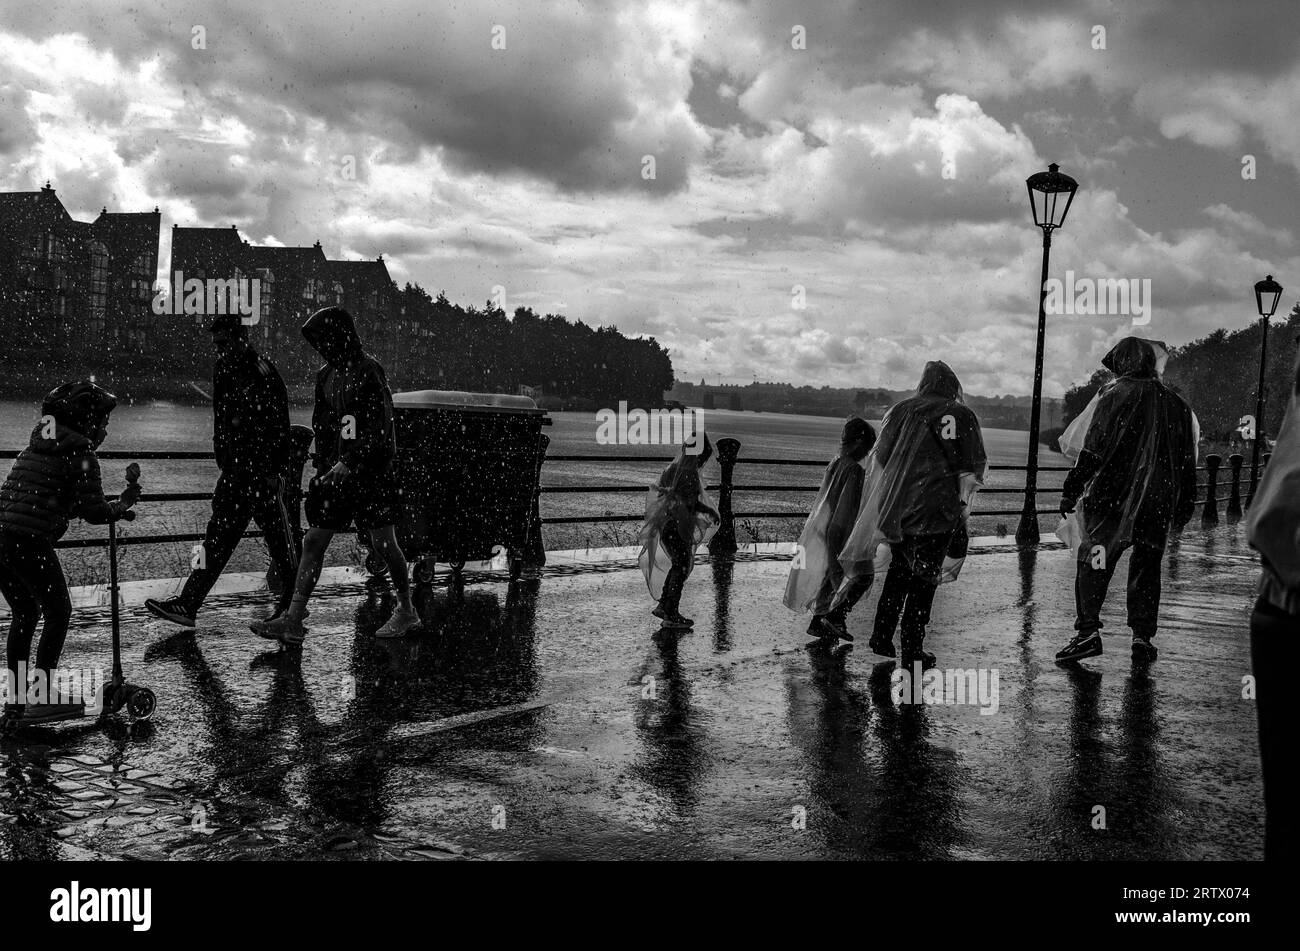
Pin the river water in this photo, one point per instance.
(159, 426)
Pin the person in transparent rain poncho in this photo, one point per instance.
(815, 572)
(921, 479)
(679, 517)
(1138, 467)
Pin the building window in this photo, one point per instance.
(266, 278)
(141, 277)
(310, 289)
(338, 293)
(98, 284)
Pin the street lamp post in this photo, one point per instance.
(1050, 196)
(1267, 293)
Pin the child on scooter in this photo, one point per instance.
(54, 479)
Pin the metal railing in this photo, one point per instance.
(728, 455)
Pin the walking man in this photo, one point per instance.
(1138, 466)
(354, 482)
(250, 438)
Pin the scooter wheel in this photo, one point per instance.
(140, 703)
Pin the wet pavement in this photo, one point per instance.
(548, 719)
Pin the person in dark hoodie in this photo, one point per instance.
(1138, 467)
(354, 481)
(250, 438)
(930, 454)
(54, 479)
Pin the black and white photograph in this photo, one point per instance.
(648, 434)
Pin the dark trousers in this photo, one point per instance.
(238, 499)
(682, 557)
(1274, 639)
(31, 580)
(909, 588)
(1090, 586)
(852, 595)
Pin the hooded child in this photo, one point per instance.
(815, 572)
(56, 478)
(679, 517)
(354, 482)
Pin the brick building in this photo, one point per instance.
(74, 295)
(294, 282)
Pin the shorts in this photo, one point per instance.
(370, 501)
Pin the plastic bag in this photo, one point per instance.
(1071, 532)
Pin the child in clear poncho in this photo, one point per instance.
(679, 517)
(815, 573)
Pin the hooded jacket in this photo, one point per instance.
(52, 481)
(939, 438)
(250, 410)
(1139, 457)
(353, 418)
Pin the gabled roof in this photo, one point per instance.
(374, 272)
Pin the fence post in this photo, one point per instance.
(1234, 496)
(300, 438)
(1210, 513)
(724, 540)
(534, 554)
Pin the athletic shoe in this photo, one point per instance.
(1143, 649)
(1084, 644)
(817, 627)
(910, 657)
(402, 622)
(836, 627)
(284, 629)
(884, 646)
(170, 610)
(675, 622)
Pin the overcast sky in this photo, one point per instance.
(774, 166)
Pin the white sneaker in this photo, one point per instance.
(402, 622)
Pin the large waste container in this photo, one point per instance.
(469, 467)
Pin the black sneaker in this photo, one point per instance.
(1084, 644)
(171, 610)
(836, 626)
(817, 627)
(884, 646)
(910, 657)
(1143, 649)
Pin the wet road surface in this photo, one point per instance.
(548, 719)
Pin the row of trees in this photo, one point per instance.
(483, 350)
(1219, 374)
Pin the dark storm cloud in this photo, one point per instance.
(17, 133)
(574, 98)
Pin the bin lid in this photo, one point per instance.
(466, 402)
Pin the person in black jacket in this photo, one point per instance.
(1138, 465)
(354, 481)
(55, 478)
(250, 437)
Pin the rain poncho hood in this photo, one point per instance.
(678, 502)
(1273, 521)
(1138, 458)
(1123, 356)
(921, 477)
(352, 384)
(333, 334)
(835, 510)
